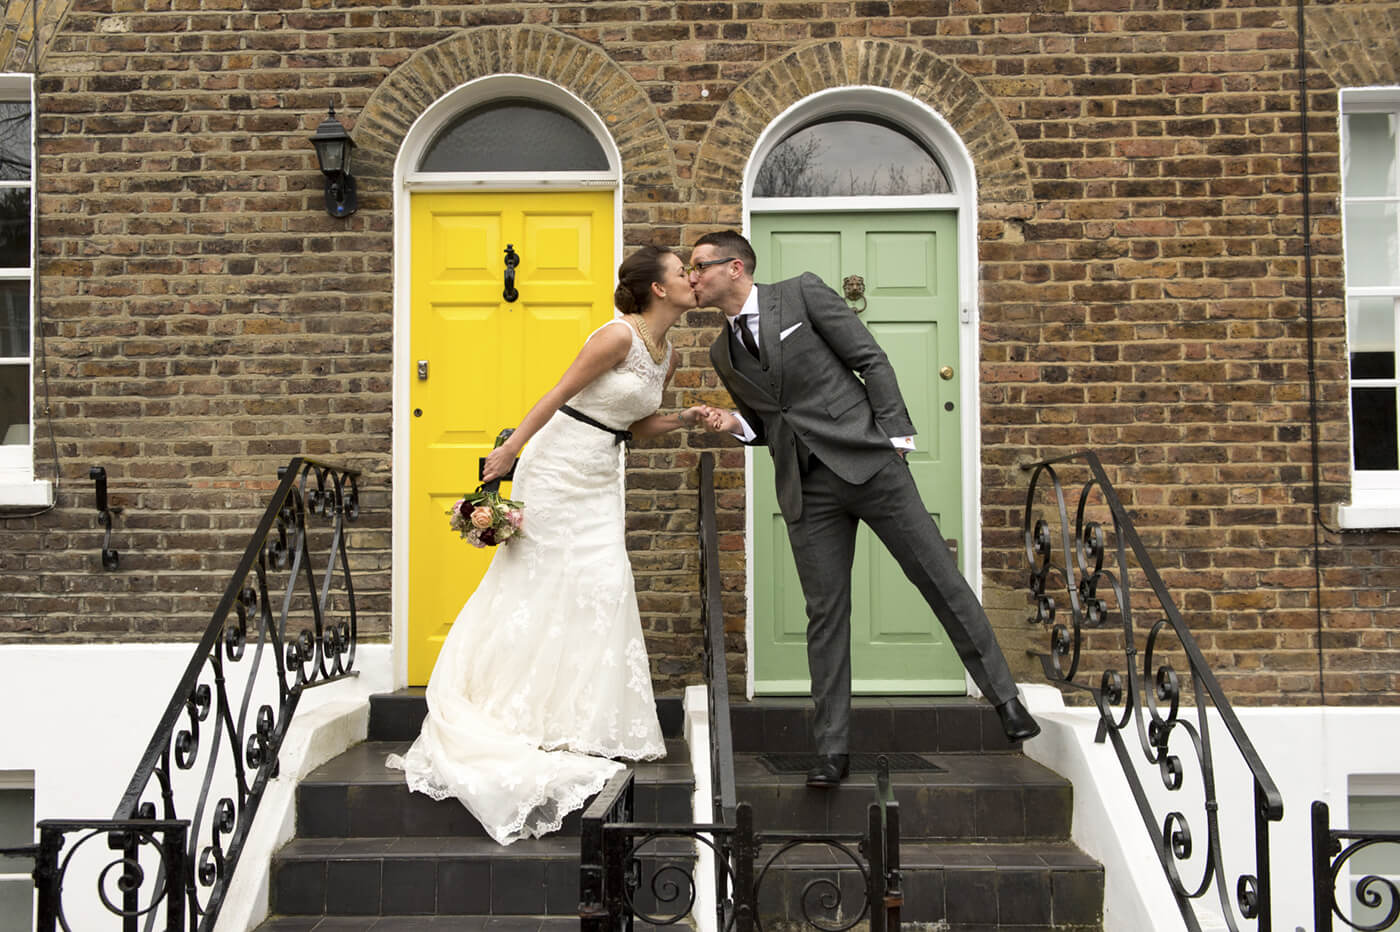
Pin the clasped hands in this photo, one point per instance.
(716, 419)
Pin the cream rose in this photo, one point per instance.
(481, 517)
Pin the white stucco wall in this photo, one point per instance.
(79, 717)
(1309, 752)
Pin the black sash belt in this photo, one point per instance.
(619, 436)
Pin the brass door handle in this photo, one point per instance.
(945, 373)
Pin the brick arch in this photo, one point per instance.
(1357, 45)
(527, 50)
(17, 30)
(1002, 178)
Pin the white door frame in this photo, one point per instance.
(408, 180)
(925, 123)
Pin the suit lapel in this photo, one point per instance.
(769, 327)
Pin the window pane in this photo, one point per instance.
(1373, 436)
(14, 141)
(14, 319)
(1370, 155)
(14, 228)
(514, 136)
(849, 158)
(1373, 252)
(14, 405)
(17, 904)
(16, 827)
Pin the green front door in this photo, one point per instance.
(909, 263)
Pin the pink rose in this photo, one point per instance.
(516, 517)
(481, 517)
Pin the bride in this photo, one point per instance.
(544, 675)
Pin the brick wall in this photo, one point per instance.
(1141, 288)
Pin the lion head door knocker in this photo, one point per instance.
(854, 287)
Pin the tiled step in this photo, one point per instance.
(1001, 796)
(397, 716)
(428, 924)
(434, 876)
(355, 795)
(970, 887)
(895, 723)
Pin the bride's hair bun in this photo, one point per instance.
(622, 297)
(635, 276)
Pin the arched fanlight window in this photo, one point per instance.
(849, 155)
(513, 136)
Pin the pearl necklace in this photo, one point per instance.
(657, 353)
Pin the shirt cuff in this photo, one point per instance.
(745, 432)
(902, 443)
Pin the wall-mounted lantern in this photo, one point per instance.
(333, 147)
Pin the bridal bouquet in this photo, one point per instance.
(485, 519)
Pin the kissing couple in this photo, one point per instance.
(543, 680)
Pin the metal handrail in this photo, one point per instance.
(239, 751)
(716, 670)
(1083, 574)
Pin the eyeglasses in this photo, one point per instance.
(702, 266)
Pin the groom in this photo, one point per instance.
(790, 355)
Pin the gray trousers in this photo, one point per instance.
(823, 546)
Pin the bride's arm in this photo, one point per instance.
(654, 424)
(604, 350)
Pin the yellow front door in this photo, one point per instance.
(479, 361)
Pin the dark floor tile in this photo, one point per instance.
(374, 811)
(1000, 812)
(396, 716)
(347, 924)
(289, 924)
(514, 924)
(410, 887)
(413, 924)
(924, 892)
(971, 896)
(299, 887)
(464, 887)
(1023, 897)
(517, 886)
(1049, 812)
(321, 811)
(353, 887)
(562, 887)
(1077, 896)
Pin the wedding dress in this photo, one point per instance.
(544, 675)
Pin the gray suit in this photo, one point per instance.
(829, 433)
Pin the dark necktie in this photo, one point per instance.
(746, 336)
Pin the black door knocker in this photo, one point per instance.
(512, 260)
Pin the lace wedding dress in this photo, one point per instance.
(544, 675)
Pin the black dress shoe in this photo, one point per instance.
(830, 770)
(1016, 721)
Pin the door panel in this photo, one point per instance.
(481, 377)
(909, 263)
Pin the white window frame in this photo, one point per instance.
(1375, 494)
(18, 487)
(21, 780)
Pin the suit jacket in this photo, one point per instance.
(827, 383)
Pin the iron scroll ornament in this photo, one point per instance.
(1095, 579)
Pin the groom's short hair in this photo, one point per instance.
(731, 243)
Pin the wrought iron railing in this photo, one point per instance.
(628, 871)
(1335, 850)
(722, 792)
(1148, 699)
(278, 630)
(628, 874)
